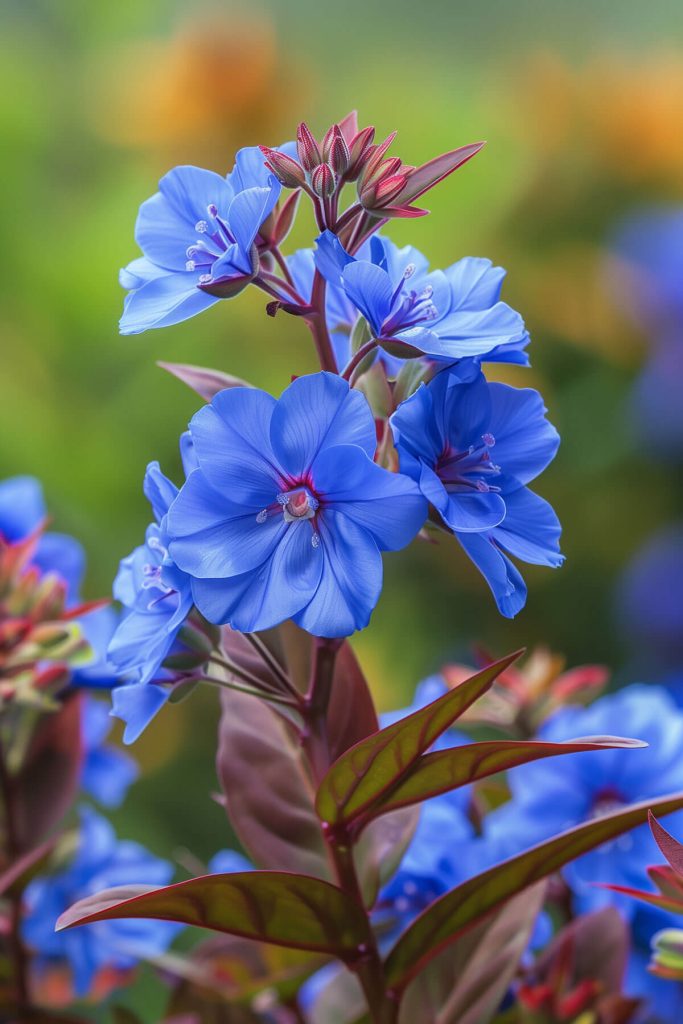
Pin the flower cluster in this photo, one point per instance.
(288, 503)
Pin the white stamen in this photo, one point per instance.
(262, 516)
(201, 227)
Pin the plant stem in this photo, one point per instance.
(368, 967)
(358, 358)
(13, 850)
(261, 694)
(273, 664)
(317, 323)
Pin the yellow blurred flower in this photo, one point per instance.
(618, 112)
(219, 83)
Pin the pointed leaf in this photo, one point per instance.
(290, 910)
(207, 383)
(444, 770)
(370, 768)
(286, 216)
(430, 174)
(670, 847)
(466, 982)
(269, 793)
(470, 902)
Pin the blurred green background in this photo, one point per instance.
(582, 107)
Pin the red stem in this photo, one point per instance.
(14, 896)
(317, 323)
(358, 358)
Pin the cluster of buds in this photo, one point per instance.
(40, 639)
(524, 697)
(386, 187)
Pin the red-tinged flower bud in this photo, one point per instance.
(323, 181)
(335, 150)
(307, 148)
(375, 155)
(580, 998)
(388, 188)
(384, 169)
(358, 148)
(287, 171)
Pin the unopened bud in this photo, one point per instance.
(335, 150)
(358, 148)
(371, 174)
(323, 181)
(307, 148)
(287, 171)
(388, 188)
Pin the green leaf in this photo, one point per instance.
(466, 982)
(367, 771)
(207, 383)
(445, 770)
(469, 903)
(290, 910)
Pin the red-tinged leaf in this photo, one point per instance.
(22, 870)
(670, 847)
(47, 784)
(444, 770)
(351, 714)
(349, 125)
(466, 983)
(269, 793)
(285, 217)
(667, 881)
(290, 910)
(404, 211)
(669, 901)
(430, 174)
(205, 382)
(380, 848)
(341, 1001)
(370, 768)
(451, 915)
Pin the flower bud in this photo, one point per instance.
(322, 181)
(358, 148)
(335, 150)
(307, 148)
(287, 171)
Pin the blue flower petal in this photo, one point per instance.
(473, 511)
(278, 590)
(165, 300)
(388, 505)
(214, 536)
(504, 579)
(158, 490)
(525, 441)
(63, 555)
(370, 289)
(231, 445)
(248, 210)
(316, 412)
(351, 580)
(166, 223)
(137, 705)
(22, 507)
(475, 283)
(531, 530)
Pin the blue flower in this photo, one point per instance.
(550, 796)
(287, 514)
(199, 237)
(22, 511)
(107, 772)
(157, 599)
(447, 315)
(101, 861)
(227, 861)
(447, 434)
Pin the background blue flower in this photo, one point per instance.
(553, 795)
(101, 861)
(287, 514)
(473, 447)
(107, 771)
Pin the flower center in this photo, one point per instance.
(214, 238)
(295, 505)
(409, 308)
(469, 469)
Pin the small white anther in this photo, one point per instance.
(190, 265)
(262, 516)
(315, 540)
(201, 227)
(409, 271)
